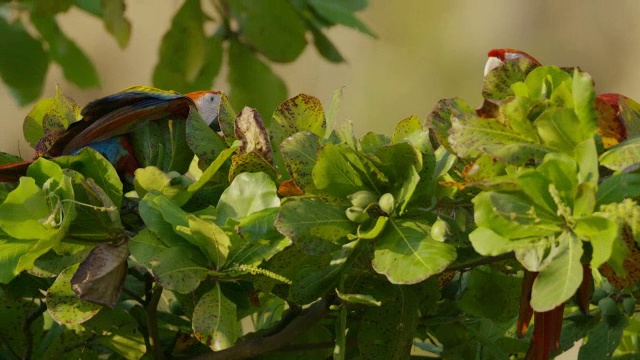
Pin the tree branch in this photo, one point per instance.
(26, 329)
(152, 322)
(254, 347)
(481, 261)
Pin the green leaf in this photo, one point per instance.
(324, 46)
(174, 187)
(212, 169)
(624, 157)
(275, 28)
(583, 100)
(559, 128)
(313, 225)
(300, 156)
(544, 80)
(200, 57)
(311, 283)
(406, 128)
(22, 69)
(601, 232)
(561, 277)
(301, 113)
(63, 304)
(252, 82)
(251, 162)
(24, 211)
(215, 322)
(49, 115)
(618, 187)
(341, 171)
(497, 83)
(248, 193)
(175, 271)
(491, 296)
(204, 234)
(514, 215)
(387, 331)
(92, 165)
(203, 140)
(115, 22)
(117, 330)
(93, 7)
(77, 67)
(439, 120)
(145, 247)
(406, 254)
(603, 340)
(337, 12)
(11, 250)
(471, 136)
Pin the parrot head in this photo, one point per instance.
(497, 57)
(207, 102)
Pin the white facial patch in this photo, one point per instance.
(492, 63)
(208, 106)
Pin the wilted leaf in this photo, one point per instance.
(250, 130)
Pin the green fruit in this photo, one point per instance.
(629, 305)
(387, 203)
(608, 306)
(598, 295)
(357, 214)
(362, 198)
(176, 308)
(440, 230)
(461, 215)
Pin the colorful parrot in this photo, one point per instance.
(108, 124)
(497, 57)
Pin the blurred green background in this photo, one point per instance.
(425, 51)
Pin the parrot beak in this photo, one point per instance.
(492, 63)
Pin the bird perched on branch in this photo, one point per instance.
(109, 123)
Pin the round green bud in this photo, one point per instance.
(176, 308)
(362, 198)
(598, 295)
(608, 306)
(387, 203)
(357, 214)
(440, 230)
(461, 216)
(629, 305)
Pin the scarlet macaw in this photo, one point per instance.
(107, 122)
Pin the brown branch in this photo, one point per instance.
(254, 347)
(26, 329)
(481, 261)
(152, 322)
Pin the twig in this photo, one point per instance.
(254, 347)
(152, 322)
(26, 329)
(482, 261)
